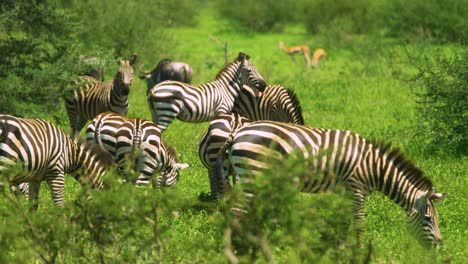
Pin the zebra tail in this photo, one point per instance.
(97, 133)
(221, 183)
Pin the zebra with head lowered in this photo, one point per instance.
(199, 103)
(35, 150)
(166, 70)
(274, 103)
(93, 97)
(139, 141)
(333, 157)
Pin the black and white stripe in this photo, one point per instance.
(199, 103)
(137, 141)
(274, 103)
(34, 150)
(93, 97)
(333, 157)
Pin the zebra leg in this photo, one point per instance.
(34, 188)
(163, 118)
(56, 184)
(359, 215)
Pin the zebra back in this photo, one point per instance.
(333, 157)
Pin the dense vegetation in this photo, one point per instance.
(390, 75)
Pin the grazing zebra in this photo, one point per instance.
(340, 157)
(94, 97)
(274, 103)
(140, 141)
(35, 150)
(200, 103)
(166, 70)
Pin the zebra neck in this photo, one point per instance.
(119, 89)
(86, 169)
(397, 182)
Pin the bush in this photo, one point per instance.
(130, 26)
(313, 229)
(347, 16)
(259, 16)
(425, 19)
(442, 99)
(39, 55)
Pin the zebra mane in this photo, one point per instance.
(415, 175)
(225, 68)
(297, 105)
(171, 151)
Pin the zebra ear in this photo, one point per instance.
(433, 195)
(242, 56)
(181, 166)
(133, 59)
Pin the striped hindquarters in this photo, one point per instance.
(137, 141)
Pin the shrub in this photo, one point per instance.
(425, 19)
(130, 26)
(442, 99)
(38, 57)
(342, 15)
(313, 229)
(259, 16)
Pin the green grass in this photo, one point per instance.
(355, 91)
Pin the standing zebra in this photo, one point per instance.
(94, 97)
(274, 103)
(140, 141)
(36, 150)
(200, 103)
(341, 157)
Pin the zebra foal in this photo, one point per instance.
(274, 103)
(39, 151)
(93, 97)
(340, 157)
(200, 103)
(139, 141)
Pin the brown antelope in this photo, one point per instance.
(298, 49)
(319, 54)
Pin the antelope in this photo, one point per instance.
(298, 49)
(319, 54)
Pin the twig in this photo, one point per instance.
(228, 252)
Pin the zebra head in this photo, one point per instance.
(124, 76)
(424, 221)
(248, 74)
(170, 175)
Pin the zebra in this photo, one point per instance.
(342, 158)
(93, 97)
(200, 103)
(35, 150)
(140, 141)
(274, 103)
